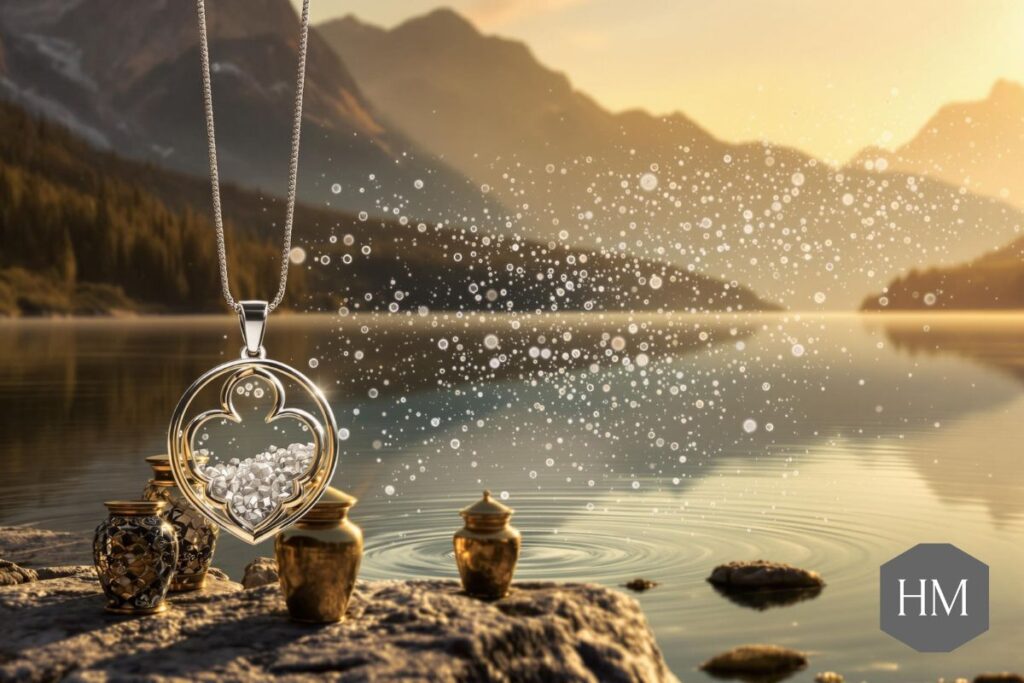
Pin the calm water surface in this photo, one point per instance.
(654, 446)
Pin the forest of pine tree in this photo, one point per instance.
(78, 238)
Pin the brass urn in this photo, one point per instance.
(135, 551)
(318, 559)
(197, 536)
(487, 548)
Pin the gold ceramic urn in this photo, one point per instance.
(318, 559)
(197, 536)
(487, 548)
(135, 552)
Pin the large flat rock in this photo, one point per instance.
(417, 630)
(396, 631)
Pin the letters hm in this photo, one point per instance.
(937, 596)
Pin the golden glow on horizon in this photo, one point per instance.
(826, 77)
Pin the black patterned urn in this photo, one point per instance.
(135, 551)
(197, 536)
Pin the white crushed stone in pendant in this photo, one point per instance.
(254, 487)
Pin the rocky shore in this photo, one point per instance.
(55, 629)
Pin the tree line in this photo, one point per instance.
(76, 237)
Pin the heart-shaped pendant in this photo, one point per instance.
(259, 494)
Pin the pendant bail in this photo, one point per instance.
(252, 317)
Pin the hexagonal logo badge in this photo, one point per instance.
(934, 597)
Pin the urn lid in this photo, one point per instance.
(333, 505)
(160, 463)
(136, 508)
(487, 507)
(162, 475)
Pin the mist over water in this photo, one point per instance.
(629, 445)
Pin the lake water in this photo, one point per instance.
(653, 446)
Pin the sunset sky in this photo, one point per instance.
(826, 77)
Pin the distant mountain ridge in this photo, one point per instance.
(398, 118)
(794, 228)
(466, 85)
(978, 145)
(993, 281)
(126, 77)
(86, 231)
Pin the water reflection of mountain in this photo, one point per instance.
(991, 339)
(959, 467)
(72, 392)
(445, 404)
(852, 398)
(964, 470)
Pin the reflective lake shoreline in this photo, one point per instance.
(625, 450)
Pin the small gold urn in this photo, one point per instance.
(487, 548)
(135, 551)
(318, 560)
(197, 536)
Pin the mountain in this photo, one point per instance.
(474, 99)
(993, 281)
(978, 145)
(794, 228)
(125, 76)
(87, 231)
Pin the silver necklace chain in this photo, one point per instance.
(293, 167)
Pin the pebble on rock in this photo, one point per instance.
(260, 572)
(755, 659)
(217, 573)
(11, 574)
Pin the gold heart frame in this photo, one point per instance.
(308, 487)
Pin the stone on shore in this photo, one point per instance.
(764, 575)
(11, 574)
(260, 572)
(1002, 677)
(829, 677)
(395, 630)
(755, 660)
(639, 585)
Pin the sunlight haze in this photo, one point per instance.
(828, 78)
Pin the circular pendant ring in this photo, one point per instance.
(253, 509)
